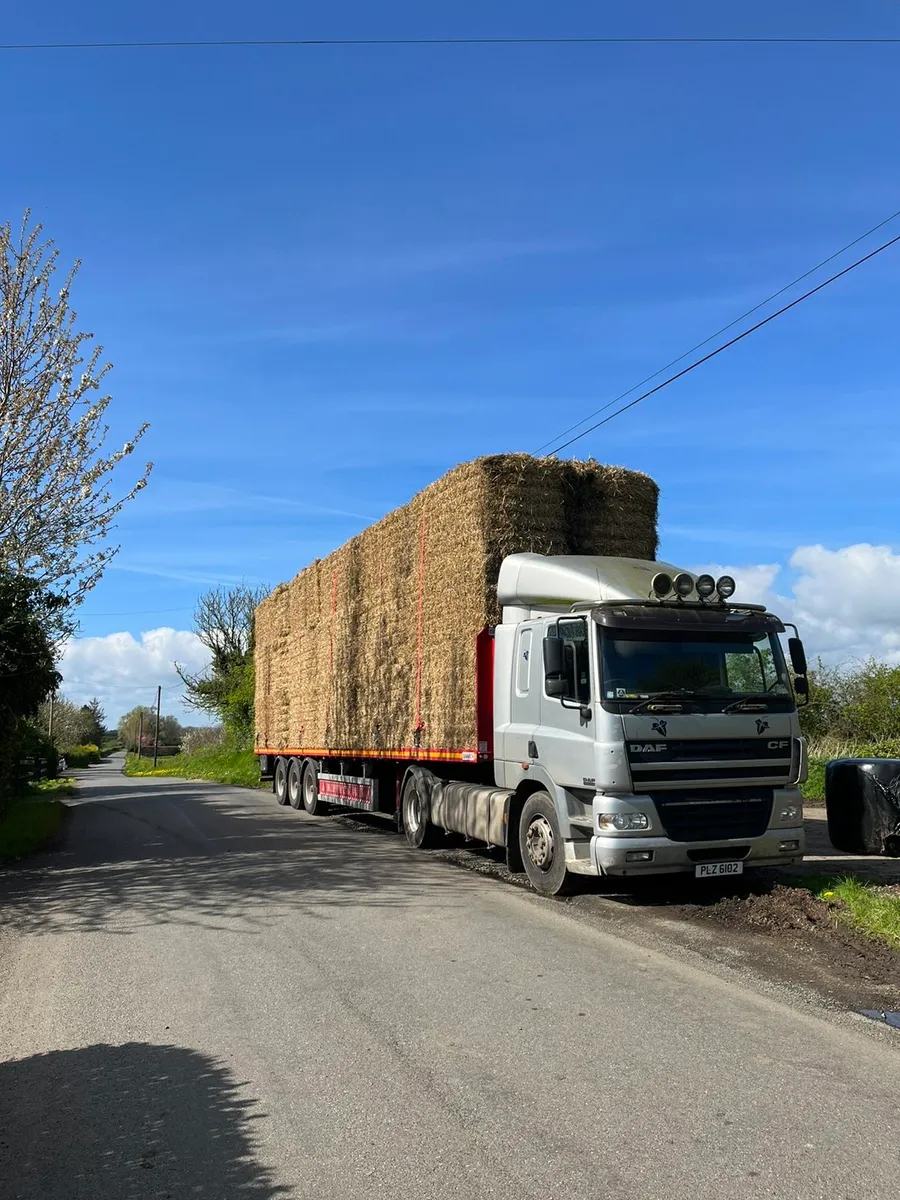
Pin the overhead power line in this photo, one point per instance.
(731, 324)
(136, 612)
(740, 337)
(255, 43)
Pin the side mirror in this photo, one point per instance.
(554, 667)
(798, 656)
(801, 688)
(553, 657)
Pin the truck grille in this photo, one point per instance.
(671, 764)
(714, 814)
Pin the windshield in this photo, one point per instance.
(702, 665)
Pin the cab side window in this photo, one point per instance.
(575, 658)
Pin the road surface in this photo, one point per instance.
(205, 995)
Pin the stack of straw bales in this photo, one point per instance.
(379, 638)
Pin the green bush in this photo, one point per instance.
(82, 756)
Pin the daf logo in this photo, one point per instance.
(782, 745)
(646, 748)
(761, 725)
(659, 727)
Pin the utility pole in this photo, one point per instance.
(156, 739)
(141, 735)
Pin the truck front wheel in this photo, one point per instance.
(541, 846)
(281, 781)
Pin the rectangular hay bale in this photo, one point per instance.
(373, 648)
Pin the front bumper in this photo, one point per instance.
(610, 854)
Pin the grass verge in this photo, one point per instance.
(237, 767)
(871, 908)
(814, 788)
(31, 819)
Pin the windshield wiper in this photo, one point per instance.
(675, 696)
(753, 699)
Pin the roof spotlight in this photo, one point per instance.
(725, 586)
(661, 584)
(706, 586)
(684, 584)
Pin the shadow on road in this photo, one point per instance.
(190, 853)
(139, 1120)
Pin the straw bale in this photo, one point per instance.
(337, 648)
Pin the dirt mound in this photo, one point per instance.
(781, 910)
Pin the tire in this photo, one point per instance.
(294, 789)
(280, 783)
(315, 806)
(418, 830)
(542, 848)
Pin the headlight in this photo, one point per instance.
(706, 586)
(790, 812)
(624, 822)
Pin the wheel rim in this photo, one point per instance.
(280, 780)
(413, 815)
(294, 787)
(309, 792)
(539, 843)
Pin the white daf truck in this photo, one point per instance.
(642, 718)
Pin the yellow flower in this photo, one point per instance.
(827, 895)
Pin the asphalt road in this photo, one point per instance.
(205, 995)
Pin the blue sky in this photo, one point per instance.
(325, 275)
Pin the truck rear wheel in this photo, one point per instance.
(314, 805)
(420, 833)
(295, 790)
(542, 848)
(281, 780)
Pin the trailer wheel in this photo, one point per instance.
(295, 791)
(420, 833)
(281, 780)
(541, 846)
(315, 806)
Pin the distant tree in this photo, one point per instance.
(73, 724)
(129, 729)
(57, 507)
(223, 621)
(170, 732)
(95, 722)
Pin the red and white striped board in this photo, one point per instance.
(349, 791)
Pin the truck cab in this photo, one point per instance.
(656, 713)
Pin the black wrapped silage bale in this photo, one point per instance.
(862, 798)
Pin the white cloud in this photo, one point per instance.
(845, 602)
(124, 671)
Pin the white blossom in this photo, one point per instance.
(56, 506)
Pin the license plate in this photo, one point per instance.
(708, 870)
